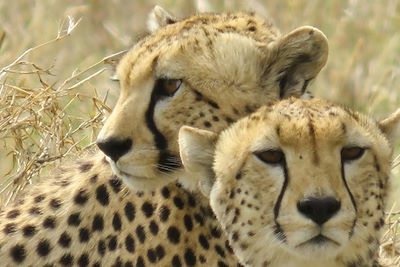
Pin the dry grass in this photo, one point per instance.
(55, 94)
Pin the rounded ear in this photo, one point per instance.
(390, 126)
(300, 55)
(196, 148)
(159, 18)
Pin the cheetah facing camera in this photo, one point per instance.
(300, 183)
(205, 71)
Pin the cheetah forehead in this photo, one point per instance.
(198, 31)
(296, 122)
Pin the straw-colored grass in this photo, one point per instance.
(55, 89)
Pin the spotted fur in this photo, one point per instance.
(271, 165)
(94, 212)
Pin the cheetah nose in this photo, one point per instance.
(114, 147)
(318, 210)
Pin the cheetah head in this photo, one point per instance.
(298, 183)
(205, 71)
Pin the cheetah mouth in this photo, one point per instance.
(318, 240)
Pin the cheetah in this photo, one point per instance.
(125, 207)
(299, 183)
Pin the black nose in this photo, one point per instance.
(114, 148)
(319, 210)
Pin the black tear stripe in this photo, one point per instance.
(351, 198)
(278, 231)
(166, 161)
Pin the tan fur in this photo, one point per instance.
(86, 215)
(311, 134)
(229, 65)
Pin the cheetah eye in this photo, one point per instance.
(271, 156)
(168, 87)
(351, 153)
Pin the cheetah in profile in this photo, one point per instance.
(299, 183)
(205, 71)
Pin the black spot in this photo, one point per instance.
(55, 203)
(229, 120)
(213, 104)
(173, 235)
(207, 124)
(191, 201)
(39, 198)
(64, 240)
(238, 176)
(220, 250)
(116, 222)
(98, 223)
(215, 118)
(202, 259)
(178, 202)
(49, 222)
(160, 251)
(130, 211)
(118, 262)
(74, 219)
(153, 227)
(215, 232)
(18, 253)
(94, 179)
(101, 247)
(190, 258)
(228, 247)
(85, 167)
(84, 235)
(66, 260)
(141, 234)
(81, 197)
(204, 242)
(176, 261)
(147, 209)
(164, 213)
(199, 218)
(43, 248)
(128, 264)
(116, 184)
(222, 264)
(165, 192)
(12, 214)
(130, 243)
(35, 211)
(83, 260)
(188, 222)
(102, 195)
(29, 230)
(140, 262)
(151, 255)
(112, 243)
(10, 228)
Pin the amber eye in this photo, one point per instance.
(352, 153)
(167, 87)
(270, 156)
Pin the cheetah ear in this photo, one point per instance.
(196, 148)
(391, 126)
(301, 54)
(159, 18)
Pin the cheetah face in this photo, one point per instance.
(301, 179)
(205, 71)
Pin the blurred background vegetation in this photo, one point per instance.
(54, 98)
